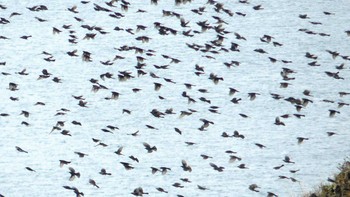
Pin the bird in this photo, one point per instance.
(278, 167)
(93, 182)
(270, 194)
(76, 191)
(287, 159)
(301, 139)
(217, 168)
(25, 113)
(333, 112)
(178, 185)
(119, 151)
(242, 166)
(254, 187)
(202, 187)
(157, 86)
(331, 133)
(149, 148)
(134, 158)
(279, 122)
(164, 170)
(161, 190)
(30, 169)
(154, 170)
(234, 158)
(104, 172)
(294, 171)
(13, 86)
(185, 166)
(260, 145)
(64, 162)
(73, 174)
(20, 149)
(127, 166)
(80, 154)
(138, 192)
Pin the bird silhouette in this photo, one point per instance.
(20, 150)
(185, 166)
(287, 159)
(93, 182)
(64, 162)
(104, 172)
(217, 168)
(73, 174)
(127, 166)
(138, 192)
(119, 151)
(254, 187)
(149, 148)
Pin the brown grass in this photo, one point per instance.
(339, 188)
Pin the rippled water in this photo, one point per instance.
(317, 158)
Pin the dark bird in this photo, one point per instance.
(178, 131)
(258, 7)
(134, 134)
(73, 53)
(63, 162)
(202, 187)
(185, 166)
(76, 123)
(104, 172)
(40, 19)
(134, 158)
(260, 145)
(278, 167)
(252, 95)
(154, 170)
(270, 194)
(161, 190)
(157, 86)
(25, 113)
(127, 166)
(157, 113)
(301, 139)
(80, 154)
(287, 159)
(260, 50)
(93, 182)
(138, 192)
(20, 150)
(30, 169)
(73, 174)
(303, 16)
(237, 134)
(294, 171)
(178, 185)
(25, 37)
(119, 151)
(242, 166)
(234, 158)
(76, 191)
(73, 9)
(13, 86)
(333, 112)
(331, 133)
(217, 168)
(149, 148)
(279, 122)
(254, 187)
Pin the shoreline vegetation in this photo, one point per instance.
(339, 186)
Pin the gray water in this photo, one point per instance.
(316, 158)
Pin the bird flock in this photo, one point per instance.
(171, 98)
